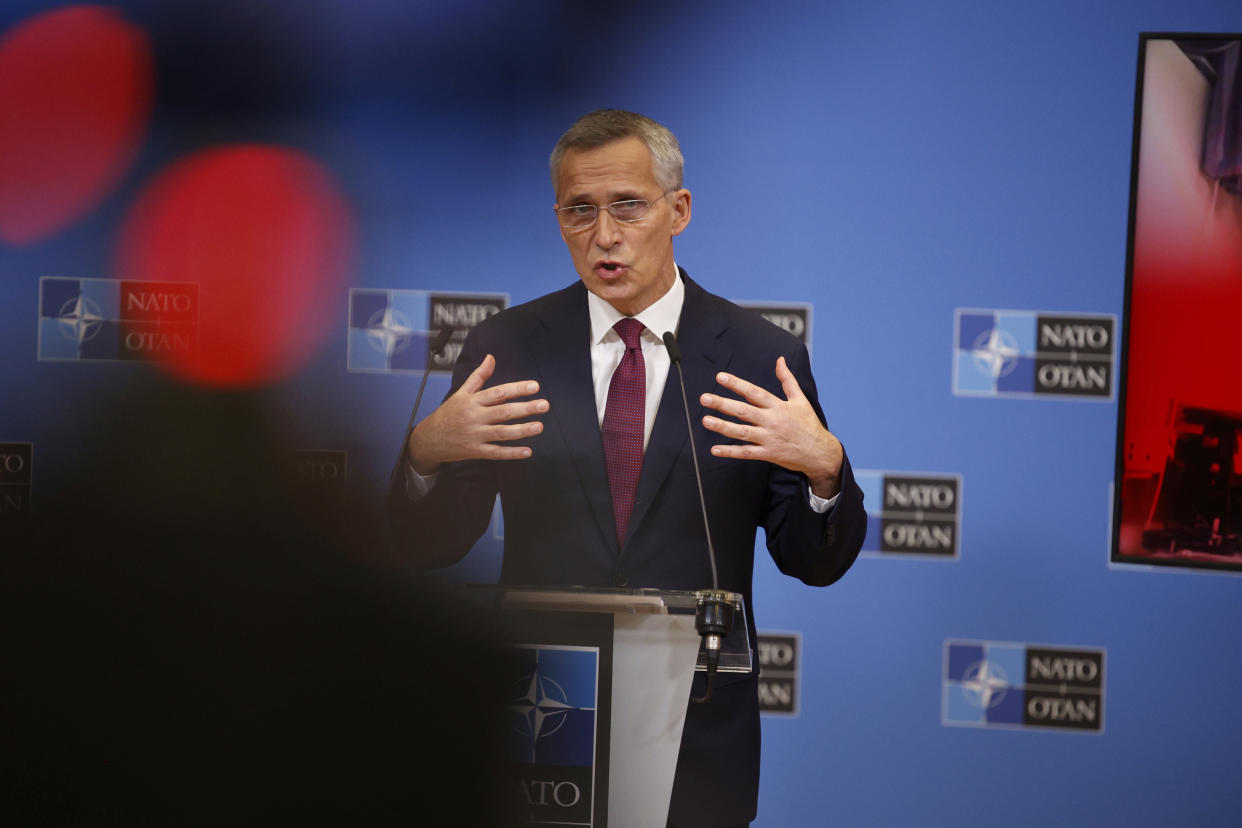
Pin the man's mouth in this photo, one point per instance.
(608, 269)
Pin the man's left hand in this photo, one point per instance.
(785, 432)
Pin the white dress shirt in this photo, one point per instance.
(607, 348)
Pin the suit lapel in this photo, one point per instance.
(561, 348)
(703, 356)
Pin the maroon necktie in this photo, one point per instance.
(623, 424)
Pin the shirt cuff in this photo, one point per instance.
(417, 486)
(821, 505)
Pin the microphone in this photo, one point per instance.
(714, 618)
(434, 349)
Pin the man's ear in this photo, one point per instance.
(560, 227)
(680, 202)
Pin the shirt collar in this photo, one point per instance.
(662, 315)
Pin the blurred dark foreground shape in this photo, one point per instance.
(193, 637)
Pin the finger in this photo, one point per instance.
(501, 433)
(737, 431)
(500, 393)
(789, 383)
(514, 411)
(491, 451)
(479, 375)
(748, 452)
(732, 407)
(751, 392)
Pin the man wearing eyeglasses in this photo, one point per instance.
(564, 406)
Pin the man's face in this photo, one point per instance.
(628, 265)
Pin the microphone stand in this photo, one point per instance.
(714, 617)
(434, 349)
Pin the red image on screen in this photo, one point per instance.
(1178, 498)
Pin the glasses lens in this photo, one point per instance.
(579, 215)
(629, 210)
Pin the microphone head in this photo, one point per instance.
(670, 343)
(442, 338)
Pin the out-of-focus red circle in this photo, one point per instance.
(75, 98)
(265, 235)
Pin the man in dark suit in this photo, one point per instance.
(595, 474)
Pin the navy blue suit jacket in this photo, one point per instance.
(559, 526)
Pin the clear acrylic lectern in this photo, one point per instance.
(599, 699)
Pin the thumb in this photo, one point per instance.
(479, 375)
(788, 381)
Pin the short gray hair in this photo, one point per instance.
(603, 126)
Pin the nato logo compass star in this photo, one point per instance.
(389, 331)
(996, 353)
(541, 706)
(79, 319)
(985, 684)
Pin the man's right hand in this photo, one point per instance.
(470, 423)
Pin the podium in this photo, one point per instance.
(598, 700)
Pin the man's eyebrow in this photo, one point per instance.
(618, 195)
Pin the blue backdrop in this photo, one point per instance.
(888, 162)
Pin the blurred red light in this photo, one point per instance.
(75, 98)
(266, 236)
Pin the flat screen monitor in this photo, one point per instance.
(1178, 486)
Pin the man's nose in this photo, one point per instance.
(607, 230)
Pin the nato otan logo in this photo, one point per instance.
(794, 317)
(15, 479)
(317, 470)
(779, 657)
(997, 684)
(111, 319)
(1004, 353)
(912, 513)
(390, 331)
(553, 709)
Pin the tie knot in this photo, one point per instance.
(628, 329)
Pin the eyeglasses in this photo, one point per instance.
(582, 216)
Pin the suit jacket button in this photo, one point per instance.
(830, 535)
(620, 579)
